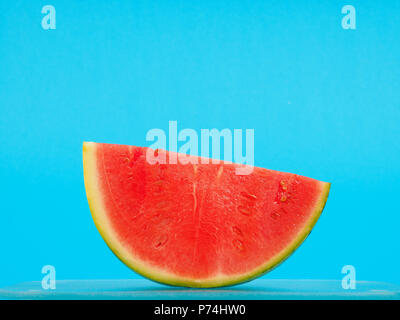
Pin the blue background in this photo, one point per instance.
(324, 102)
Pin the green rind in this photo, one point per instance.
(208, 283)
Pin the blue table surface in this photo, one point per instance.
(258, 289)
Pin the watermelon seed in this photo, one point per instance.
(162, 204)
(244, 211)
(283, 198)
(248, 195)
(275, 215)
(238, 244)
(237, 230)
(220, 170)
(161, 241)
(284, 184)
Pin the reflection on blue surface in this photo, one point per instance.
(258, 289)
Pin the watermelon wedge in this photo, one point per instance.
(197, 225)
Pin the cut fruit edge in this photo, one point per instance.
(101, 220)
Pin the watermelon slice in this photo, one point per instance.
(197, 225)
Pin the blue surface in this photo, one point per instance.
(255, 290)
(324, 102)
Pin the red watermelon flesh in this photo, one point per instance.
(197, 225)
